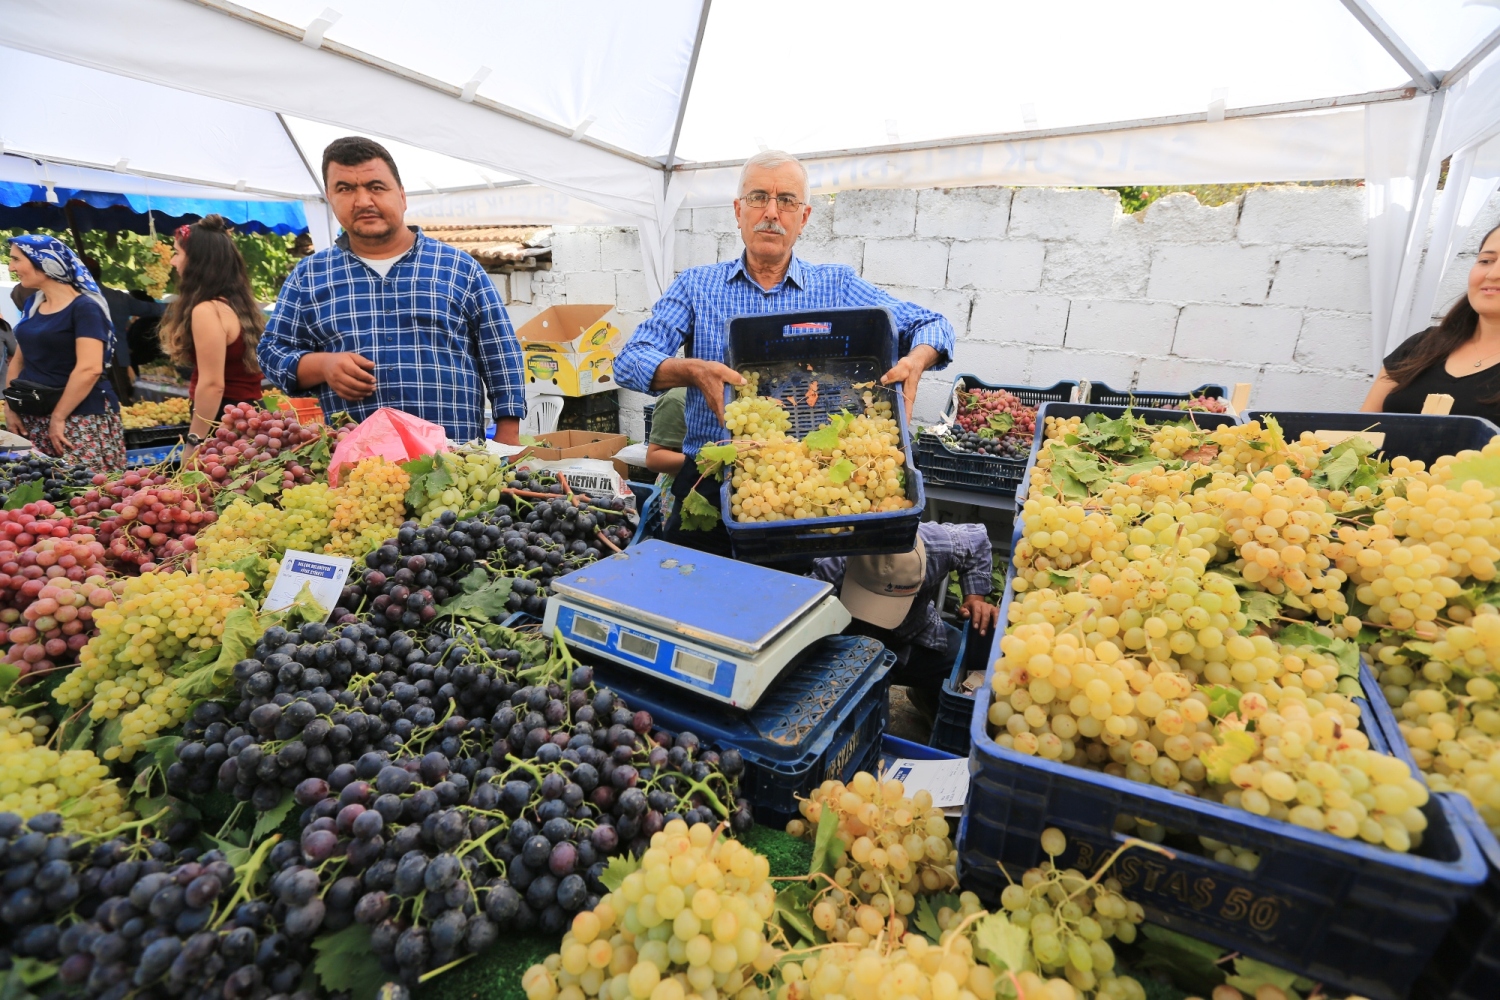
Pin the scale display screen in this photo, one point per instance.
(660, 655)
(694, 665)
(587, 628)
(638, 645)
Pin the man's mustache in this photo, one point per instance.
(770, 226)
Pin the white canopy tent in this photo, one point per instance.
(506, 111)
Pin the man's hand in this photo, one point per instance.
(908, 371)
(508, 430)
(13, 421)
(708, 377)
(350, 375)
(980, 613)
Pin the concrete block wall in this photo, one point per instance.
(1047, 284)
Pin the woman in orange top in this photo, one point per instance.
(214, 324)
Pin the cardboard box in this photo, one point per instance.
(570, 350)
(581, 444)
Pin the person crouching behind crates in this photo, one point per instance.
(893, 598)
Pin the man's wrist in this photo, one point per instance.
(309, 369)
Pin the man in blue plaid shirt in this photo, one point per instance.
(391, 317)
(768, 278)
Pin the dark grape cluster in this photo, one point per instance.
(1001, 446)
(60, 480)
(153, 922)
(532, 542)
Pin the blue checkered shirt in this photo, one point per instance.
(961, 547)
(434, 326)
(703, 299)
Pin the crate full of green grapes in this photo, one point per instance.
(819, 460)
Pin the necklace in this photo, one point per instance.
(1486, 358)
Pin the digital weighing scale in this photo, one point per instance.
(722, 628)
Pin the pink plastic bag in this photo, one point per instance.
(394, 435)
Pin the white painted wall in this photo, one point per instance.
(1045, 284)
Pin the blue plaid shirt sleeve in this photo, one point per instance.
(500, 362)
(282, 345)
(914, 324)
(658, 338)
(964, 548)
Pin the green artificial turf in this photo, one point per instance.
(496, 974)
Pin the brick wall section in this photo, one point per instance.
(1043, 284)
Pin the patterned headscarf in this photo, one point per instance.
(57, 261)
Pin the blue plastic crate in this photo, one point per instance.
(850, 346)
(1146, 399)
(895, 748)
(945, 466)
(1065, 410)
(1466, 965)
(154, 437)
(150, 456)
(1341, 912)
(1420, 436)
(648, 507)
(822, 719)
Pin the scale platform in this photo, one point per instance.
(722, 628)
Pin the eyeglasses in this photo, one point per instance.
(784, 202)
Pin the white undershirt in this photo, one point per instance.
(381, 265)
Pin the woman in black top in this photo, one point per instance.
(1460, 356)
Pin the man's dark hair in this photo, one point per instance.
(352, 150)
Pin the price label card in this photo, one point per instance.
(323, 575)
(947, 781)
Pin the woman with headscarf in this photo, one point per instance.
(58, 395)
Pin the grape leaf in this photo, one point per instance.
(193, 477)
(794, 909)
(1237, 748)
(163, 749)
(826, 438)
(1335, 470)
(1250, 975)
(487, 602)
(712, 457)
(1188, 962)
(344, 963)
(1001, 422)
(233, 853)
(1001, 944)
(81, 741)
(418, 469)
(476, 579)
(1221, 700)
(826, 846)
(24, 494)
(928, 905)
(268, 821)
(1259, 606)
(264, 488)
(9, 674)
(24, 973)
(614, 873)
(698, 514)
(840, 471)
(254, 569)
(1485, 468)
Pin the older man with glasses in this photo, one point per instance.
(771, 210)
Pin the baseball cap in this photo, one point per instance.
(880, 589)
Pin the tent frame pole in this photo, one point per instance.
(687, 89)
(1471, 60)
(1364, 12)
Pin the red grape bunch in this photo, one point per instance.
(1200, 404)
(250, 437)
(986, 408)
(50, 569)
(147, 519)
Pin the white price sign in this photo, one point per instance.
(323, 575)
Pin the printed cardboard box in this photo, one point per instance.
(561, 445)
(570, 350)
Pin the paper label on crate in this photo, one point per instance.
(807, 329)
(593, 476)
(947, 781)
(323, 575)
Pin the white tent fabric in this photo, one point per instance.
(627, 111)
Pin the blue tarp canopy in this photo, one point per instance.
(29, 206)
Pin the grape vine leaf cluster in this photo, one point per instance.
(1200, 967)
(1484, 468)
(1344, 653)
(697, 513)
(826, 438)
(343, 963)
(924, 917)
(429, 478)
(268, 821)
(619, 867)
(479, 597)
(1348, 466)
(23, 974)
(28, 492)
(1001, 944)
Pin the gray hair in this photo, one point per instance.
(770, 159)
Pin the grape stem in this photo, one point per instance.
(247, 875)
(443, 968)
(1129, 843)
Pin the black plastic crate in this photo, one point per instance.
(850, 346)
(1424, 437)
(153, 437)
(1065, 410)
(950, 733)
(822, 719)
(943, 465)
(597, 413)
(1146, 399)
